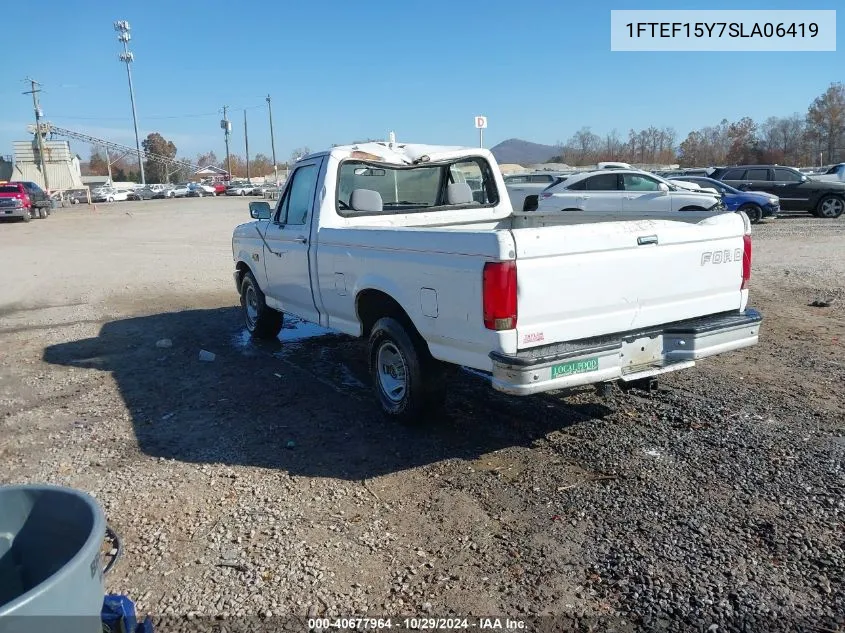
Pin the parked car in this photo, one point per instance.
(520, 186)
(112, 195)
(259, 190)
(625, 194)
(177, 191)
(835, 173)
(219, 188)
(144, 193)
(797, 191)
(403, 255)
(16, 201)
(755, 204)
(239, 189)
(198, 190)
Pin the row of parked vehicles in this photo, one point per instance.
(179, 190)
(616, 191)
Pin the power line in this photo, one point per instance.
(123, 118)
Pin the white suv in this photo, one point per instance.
(625, 194)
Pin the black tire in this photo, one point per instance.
(42, 213)
(27, 216)
(753, 211)
(242, 193)
(262, 321)
(418, 386)
(830, 207)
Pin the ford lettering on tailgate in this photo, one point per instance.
(721, 257)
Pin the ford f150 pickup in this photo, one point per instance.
(389, 241)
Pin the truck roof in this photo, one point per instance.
(401, 153)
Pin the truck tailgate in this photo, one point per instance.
(586, 280)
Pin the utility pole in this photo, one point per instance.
(227, 129)
(34, 92)
(246, 140)
(122, 27)
(273, 142)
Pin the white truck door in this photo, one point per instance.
(287, 239)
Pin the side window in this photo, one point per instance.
(734, 174)
(299, 195)
(757, 174)
(604, 182)
(786, 175)
(579, 185)
(516, 180)
(541, 178)
(476, 173)
(638, 182)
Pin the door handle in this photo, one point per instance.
(647, 239)
(584, 197)
(300, 239)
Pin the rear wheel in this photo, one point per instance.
(261, 321)
(753, 211)
(408, 382)
(830, 207)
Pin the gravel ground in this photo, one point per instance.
(265, 482)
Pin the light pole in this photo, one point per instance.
(273, 141)
(122, 27)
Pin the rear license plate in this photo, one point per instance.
(575, 367)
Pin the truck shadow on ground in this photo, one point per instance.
(303, 404)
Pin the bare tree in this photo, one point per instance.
(826, 120)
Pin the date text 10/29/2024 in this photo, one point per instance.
(415, 624)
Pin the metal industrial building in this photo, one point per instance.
(61, 165)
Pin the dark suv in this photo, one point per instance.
(797, 192)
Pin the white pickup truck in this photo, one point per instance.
(390, 242)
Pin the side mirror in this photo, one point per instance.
(663, 187)
(260, 210)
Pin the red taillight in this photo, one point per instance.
(746, 261)
(499, 295)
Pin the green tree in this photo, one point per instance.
(155, 143)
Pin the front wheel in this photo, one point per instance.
(261, 321)
(830, 207)
(27, 215)
(753, 211)
(242, 193)
(408, 382)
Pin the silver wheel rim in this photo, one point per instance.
(251, 307)
(392, 372)
(831, 208)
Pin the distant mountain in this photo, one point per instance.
(516, 150)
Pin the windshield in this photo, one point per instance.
(9, 189)
(417, 187)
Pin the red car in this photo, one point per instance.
(219, 188)
(24, 200)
